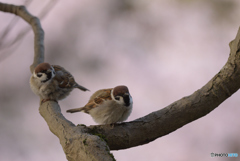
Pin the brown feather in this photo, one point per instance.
(97, 98)
(41, 67)
(64, 78)
(120, 90)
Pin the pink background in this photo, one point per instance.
(162, 50)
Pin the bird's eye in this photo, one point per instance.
(39, 75)
(117, 98)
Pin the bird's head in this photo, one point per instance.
(121, 95)
(44, 72)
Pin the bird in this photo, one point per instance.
(52, 82)
(108, 106)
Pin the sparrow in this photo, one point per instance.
(52, 82)
(108, 106)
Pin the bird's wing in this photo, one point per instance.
(102, 93)
(97, 98)
(64, 78)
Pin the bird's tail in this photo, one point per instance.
(75, 110)
(81, 87)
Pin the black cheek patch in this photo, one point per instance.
(126, 100)
(117, 98)
(49, 75)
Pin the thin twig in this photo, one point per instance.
(11, 46)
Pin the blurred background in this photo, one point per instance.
(162, 50)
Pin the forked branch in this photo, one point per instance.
(76, 142)
(94, 142)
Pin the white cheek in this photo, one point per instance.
(120, 101)
(34, 75)
(42, 78)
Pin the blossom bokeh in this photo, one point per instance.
(162, 50)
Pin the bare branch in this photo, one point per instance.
(177, 114)
(77, 143)
(37, 29)
(181, 112)
(88, 143)
(10, 26)
(26, 30)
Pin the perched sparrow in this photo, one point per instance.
(108, 106)
(52, 82)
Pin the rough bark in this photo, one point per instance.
(76, 142)
(190, 108)
(94, 142)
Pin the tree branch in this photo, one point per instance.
(76, 142)
(87, 143)
(181, 112)
(22, 12)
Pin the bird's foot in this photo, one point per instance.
(48, 99)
